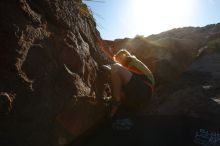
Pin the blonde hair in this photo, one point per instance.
(120, 53)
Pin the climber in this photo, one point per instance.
(132, 82)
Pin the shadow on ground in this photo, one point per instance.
(153, 131)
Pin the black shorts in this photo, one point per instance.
(137, 91)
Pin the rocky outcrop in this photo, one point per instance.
(196, 93)
(50, 55)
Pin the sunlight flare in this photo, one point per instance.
(160, 15)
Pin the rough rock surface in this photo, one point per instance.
(196, 93)
(49, 54)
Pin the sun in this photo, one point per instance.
(148, 16)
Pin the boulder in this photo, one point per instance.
(50, 53)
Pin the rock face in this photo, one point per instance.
(49, 54)
(196, 93)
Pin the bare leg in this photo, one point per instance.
(120, 76)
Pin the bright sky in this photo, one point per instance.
(128, 18)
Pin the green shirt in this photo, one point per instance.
(134, 62)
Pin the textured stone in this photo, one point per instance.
(49, 53)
